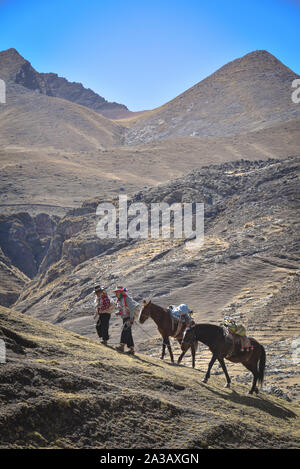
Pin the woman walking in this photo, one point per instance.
(127, 308)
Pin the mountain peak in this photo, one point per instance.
(246, 94)
(259, 53)
(254, 61)
(10, 63)
(11, 51)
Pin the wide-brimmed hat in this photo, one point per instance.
(120, 288)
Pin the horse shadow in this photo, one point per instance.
(142, 360)
(260, 402)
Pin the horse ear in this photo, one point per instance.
(146, 302)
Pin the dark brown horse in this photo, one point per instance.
(214, 337)
(166, 326)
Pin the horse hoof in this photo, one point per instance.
(204, 380)
(227, 385)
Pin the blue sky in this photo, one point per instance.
(144, 53)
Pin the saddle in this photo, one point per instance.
(178, 319)
(238, 343)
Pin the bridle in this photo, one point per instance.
(192, 336)
(147, 313)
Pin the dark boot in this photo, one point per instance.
(120, 348)
(131, 351)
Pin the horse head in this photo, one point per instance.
(145, 311)
(188, 338)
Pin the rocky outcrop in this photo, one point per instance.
(77, 93)
(25, 240)
(74, 241)
(12, 281)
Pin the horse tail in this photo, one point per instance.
(262, 365)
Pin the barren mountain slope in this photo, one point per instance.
(247, 94)
(33, 120)
(40, 179)
(55, 153)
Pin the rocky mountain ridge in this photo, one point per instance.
(13, 67)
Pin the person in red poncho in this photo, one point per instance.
(103, 311)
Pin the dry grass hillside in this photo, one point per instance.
(61, 390)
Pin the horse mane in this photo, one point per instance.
(207, 333)
(208, 325)
(165, 310)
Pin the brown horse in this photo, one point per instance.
(214, 337)
(166, 325)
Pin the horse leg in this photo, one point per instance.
(182, 353)
(228, 380)
(253, 368)
(212, 361)
(181, 356)
(255, 377)
(163, 349)
(193, 350)
(254, 387)
(170, 350)
(166, 343)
